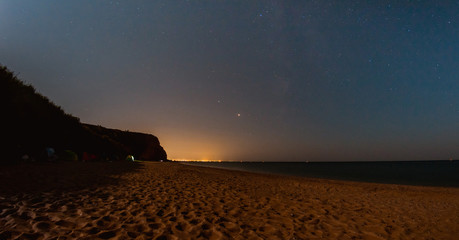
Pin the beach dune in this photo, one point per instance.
(175, 201)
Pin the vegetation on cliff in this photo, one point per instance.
(31, 122)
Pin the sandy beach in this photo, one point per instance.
(175, 201)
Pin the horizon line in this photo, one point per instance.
(306, 161)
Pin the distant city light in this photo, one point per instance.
(197, 160)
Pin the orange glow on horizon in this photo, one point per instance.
(198, 160)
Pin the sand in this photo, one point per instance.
(175, 201)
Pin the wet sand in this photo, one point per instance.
(174, 201)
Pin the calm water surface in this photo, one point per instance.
(425, 173)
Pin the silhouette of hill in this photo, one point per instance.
(31, 123)
(144, 146)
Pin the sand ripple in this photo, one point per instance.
(173, 201)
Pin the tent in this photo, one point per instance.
(68, 155)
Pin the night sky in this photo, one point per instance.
(250, 80)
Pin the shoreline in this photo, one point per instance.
(450, 180)
(178, 201)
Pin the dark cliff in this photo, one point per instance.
(141, 145)
(30, 122)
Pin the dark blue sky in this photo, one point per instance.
(250, 80)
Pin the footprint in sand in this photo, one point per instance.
(107, 235)
(64, 223)
(31, 236)
(42, 226)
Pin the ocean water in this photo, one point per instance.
(424, 173)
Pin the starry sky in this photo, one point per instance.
(250, 80)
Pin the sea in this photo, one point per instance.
(421, 173)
